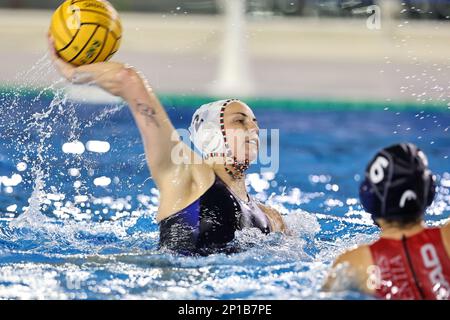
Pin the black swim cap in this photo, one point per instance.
(398, 183)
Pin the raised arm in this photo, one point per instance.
(157, 132)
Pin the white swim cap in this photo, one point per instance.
(207, 130)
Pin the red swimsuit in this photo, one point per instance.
(416, 267)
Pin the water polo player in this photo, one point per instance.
(409, 261)
(202, 203)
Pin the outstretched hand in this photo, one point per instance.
(110, 76)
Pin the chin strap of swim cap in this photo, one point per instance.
(207, 132)
(397, 183)
(239, 168)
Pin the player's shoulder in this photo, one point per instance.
(356, 256)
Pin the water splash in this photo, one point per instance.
(69, 238)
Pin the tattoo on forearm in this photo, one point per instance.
(147, 111)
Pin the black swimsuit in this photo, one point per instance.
(208, 224)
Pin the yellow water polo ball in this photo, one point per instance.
(86, 31)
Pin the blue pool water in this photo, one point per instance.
(63, 237)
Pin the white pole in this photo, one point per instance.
(388, 11)
(233, 75)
